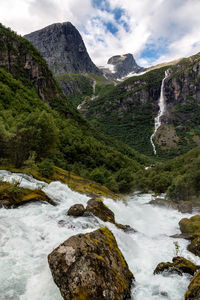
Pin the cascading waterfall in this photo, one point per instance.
(30, 232)
(161, 104)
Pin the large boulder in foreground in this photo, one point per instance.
(179, 265)
(194, 246)
(193, 292)
(91, 266)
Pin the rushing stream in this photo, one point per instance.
(29, 233)
(161, 104)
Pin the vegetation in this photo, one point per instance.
(40, 136)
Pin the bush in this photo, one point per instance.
(46, 168)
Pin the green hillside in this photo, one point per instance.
(42, 131)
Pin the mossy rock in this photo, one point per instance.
(193, 292)
(190, 226)
(194, 246)
(100, 210)
(179, 266)
(76, 210)
(11, 195)
(91, 267)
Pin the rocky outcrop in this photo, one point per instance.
(91, 267)
(178, 266)
(163, 203)
(121, 66)
(11, 195)
(185, 206)
(193, 292)
(76, 210)
(24, 62)
(63, 48)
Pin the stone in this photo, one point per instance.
(63, 49)
(163, 203)
(125, 228)
(194, 246)
(91, 267)
(190, 226)
(193, 292)
(76, 210)
(178, 266)
(100, 210)
(185, 206)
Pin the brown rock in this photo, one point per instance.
(179, 266)
(185, 207)
(100, 210)
(193, 292)
(194, 246)
(91, 267)
(76, 210)
(163, 203)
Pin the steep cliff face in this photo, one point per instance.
(63, 48)
(23, 61)
(127, 111)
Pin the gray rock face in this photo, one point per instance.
(123, 65)
(91, 266)
(63, 48)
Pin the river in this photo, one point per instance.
(29, 233)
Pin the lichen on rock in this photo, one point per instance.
(91, 266)
(179, 265)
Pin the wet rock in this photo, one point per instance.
(100, 210)
(178, 266)
(182, 236)
(76, 210)
(11, 196)
(190, 226)
(125, 228)
(91, 266)
(185, 207)
(163, 203)
(194, 246)
(193, 292)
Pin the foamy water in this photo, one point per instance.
(29, 233)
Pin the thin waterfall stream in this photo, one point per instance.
(30, 232)
(161, 104)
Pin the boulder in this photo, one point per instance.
(179, 266)
(190, 226)
(194, 246)
(193, 292)
(76, 210)
(163, 203)
(100, 210)
(185, 207)
(91, 267)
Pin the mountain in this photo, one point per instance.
(40, 129)
(63, 48)
(127, 110)
(119, 66)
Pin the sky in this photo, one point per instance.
(154, 31)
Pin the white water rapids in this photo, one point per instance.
(29, 233)
(161, 104)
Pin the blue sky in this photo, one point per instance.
(153, 31)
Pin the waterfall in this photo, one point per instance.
(161, 104)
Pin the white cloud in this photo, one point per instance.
(175, 23)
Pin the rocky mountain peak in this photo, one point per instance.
(63, 48)
(119, 66)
